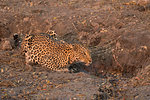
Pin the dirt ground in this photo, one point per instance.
(116, 31)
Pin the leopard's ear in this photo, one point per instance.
(29, 37)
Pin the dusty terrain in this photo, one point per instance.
(116, 31)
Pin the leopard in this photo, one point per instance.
(52, 34)
(48, 51)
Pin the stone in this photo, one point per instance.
(6, 45)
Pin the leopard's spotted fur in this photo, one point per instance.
(55, 54)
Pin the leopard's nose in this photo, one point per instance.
(90, 61)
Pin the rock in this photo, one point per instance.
(6, 45)
(26, 19)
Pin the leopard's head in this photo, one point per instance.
(82, 54)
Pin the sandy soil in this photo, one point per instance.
(116, 31)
